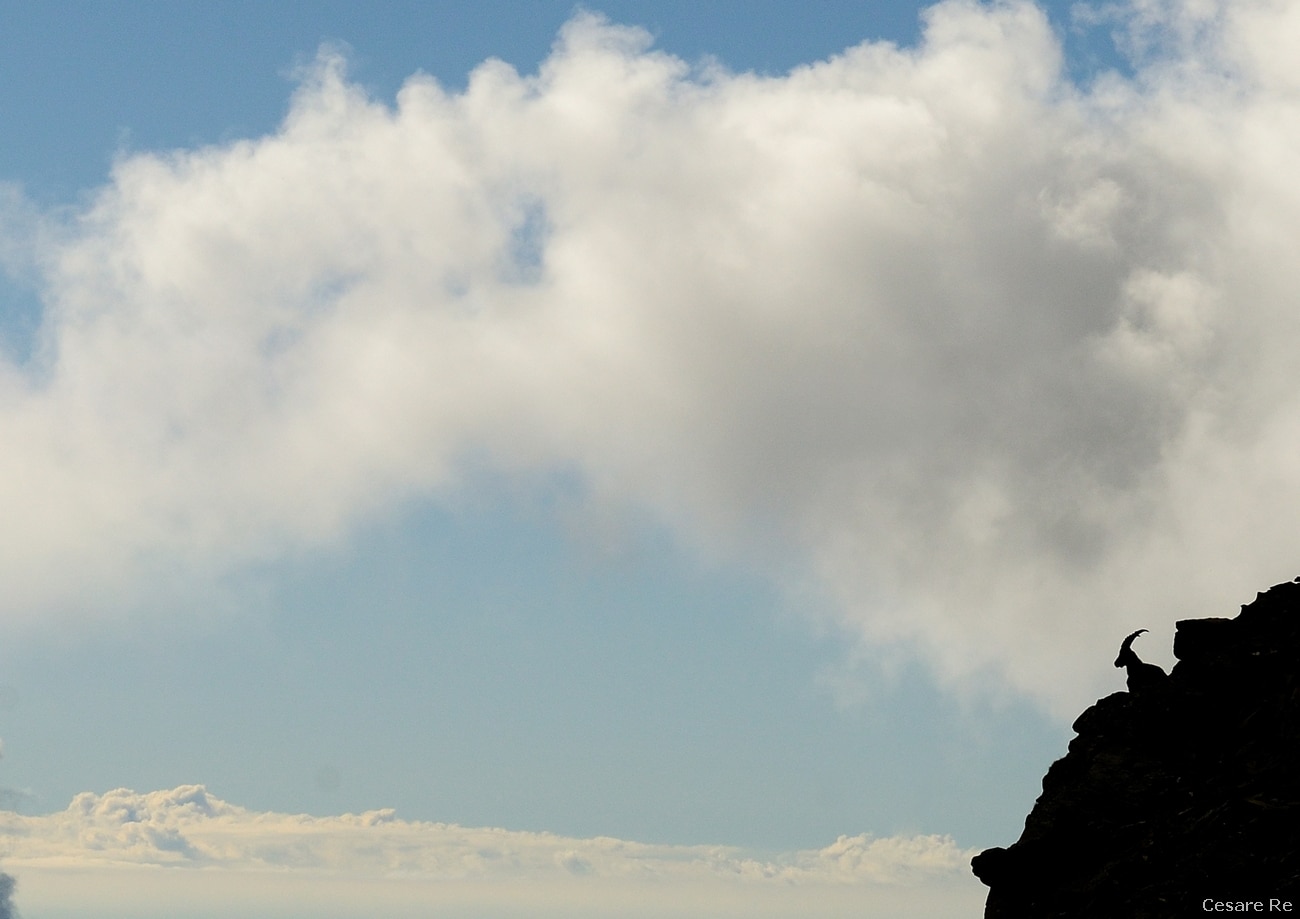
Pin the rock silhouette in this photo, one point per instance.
(1175, 796)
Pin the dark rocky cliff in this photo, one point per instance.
(1175, 794)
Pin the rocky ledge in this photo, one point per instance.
(1180, 797)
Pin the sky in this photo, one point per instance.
(643, 459)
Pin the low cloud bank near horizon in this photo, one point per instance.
(1004, 366)
(189, 828)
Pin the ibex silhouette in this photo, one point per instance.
(1141, 675)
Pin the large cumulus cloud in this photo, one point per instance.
(1003, 364)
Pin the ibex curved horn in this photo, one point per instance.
(1126, 649)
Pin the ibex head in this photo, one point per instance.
(1126, 653)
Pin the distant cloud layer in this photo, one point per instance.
(189, 828)
(1008, 367)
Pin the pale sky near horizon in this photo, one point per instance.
(721, 450)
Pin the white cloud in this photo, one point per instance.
(1006, 365)
(188, 828)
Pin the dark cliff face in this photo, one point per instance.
(1175, 793)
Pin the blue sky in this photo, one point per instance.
(205, 74)
(689, 431)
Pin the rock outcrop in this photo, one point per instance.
(1177, 796)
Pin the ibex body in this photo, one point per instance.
(1141, 675)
